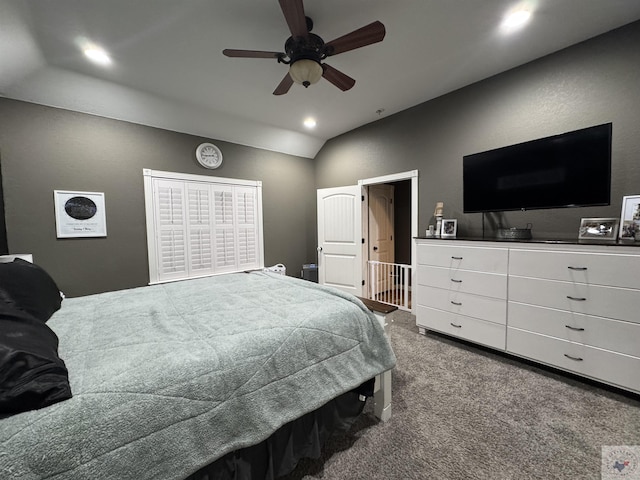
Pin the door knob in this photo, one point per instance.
(319, 249)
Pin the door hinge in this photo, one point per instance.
(363, 283)
(363, 241)
(362, 196)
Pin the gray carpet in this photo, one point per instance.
(463, 412)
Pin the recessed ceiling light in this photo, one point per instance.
(515, 19)
(93, 52)
(97, 55)
(309, 122)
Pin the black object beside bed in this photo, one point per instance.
(32, 375)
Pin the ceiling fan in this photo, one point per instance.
(304, 51)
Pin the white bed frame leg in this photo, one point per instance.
(382, 396)
(382, 386)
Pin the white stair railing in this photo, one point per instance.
(390, 283)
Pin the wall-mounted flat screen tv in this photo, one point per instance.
(572, 169)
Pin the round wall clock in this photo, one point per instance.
(208, 155)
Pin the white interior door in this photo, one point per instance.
(381, 223)
(381, 240)
(340, 238)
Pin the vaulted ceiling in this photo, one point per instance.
(167, 68)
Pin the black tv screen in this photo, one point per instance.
(572, 169)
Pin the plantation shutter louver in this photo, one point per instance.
(199, 227)
(246, 226)
(171, 229)
(225, 258)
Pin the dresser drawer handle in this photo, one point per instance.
(459, 304)
(456, 281)
(577, 329)
(577, 268)
(577, 359)
(457, 258)
(456, 326)
(577, 299)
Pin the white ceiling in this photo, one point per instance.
(168, 70)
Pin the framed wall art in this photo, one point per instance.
(630, 218)
(449, 228)
(79, 214)
(598, 230)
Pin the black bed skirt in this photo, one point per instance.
(279, 454)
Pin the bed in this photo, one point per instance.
(168, 381)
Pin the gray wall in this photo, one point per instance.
(592, 83)
(43, 149)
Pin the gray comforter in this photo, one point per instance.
(167, 378)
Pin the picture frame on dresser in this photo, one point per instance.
(449, 228)
(630, 219)
(603, 230)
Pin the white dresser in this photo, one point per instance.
(574, 307)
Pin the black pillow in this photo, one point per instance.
(32, 375)
(28, 287)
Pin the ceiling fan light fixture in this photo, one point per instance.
(305, 71)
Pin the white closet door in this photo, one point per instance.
(170, 229)
(225, 258)
(246, 210)
(200, 229)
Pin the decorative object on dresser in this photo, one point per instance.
(570, 306)
(438, 213)
(431, 232)
(449, 228)
(515, 233)
(598, 230)
(630, 218)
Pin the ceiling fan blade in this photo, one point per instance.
(284, 86)
(293, 11)
(251, 53)
(372, 33)
(342, 81)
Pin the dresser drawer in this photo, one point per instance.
(472, 329)
(609, 367)
(616, 270)
(609, 302)
(615, 335)
(477, 306)
(484, 259)
(487, 284)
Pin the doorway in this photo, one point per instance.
(343, 230)
(388, 263)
